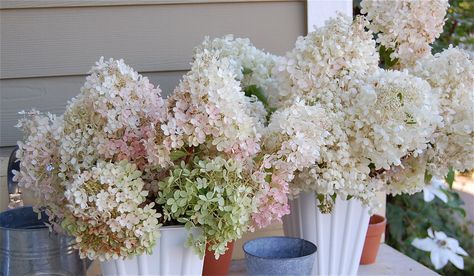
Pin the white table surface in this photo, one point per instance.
(389, 262)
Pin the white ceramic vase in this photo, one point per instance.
(339, 236)
(169, 257)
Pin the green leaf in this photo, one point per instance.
(247, 71)
(450, 177)
(177, 154)
(385, 58)
(257, 92)
(428, 177)
(400, 97)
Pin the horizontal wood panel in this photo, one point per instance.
(28, 4)
(51, 95)
(66, 41)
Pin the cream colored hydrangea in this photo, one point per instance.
(325, 69)
(250, 65)
(210, 107)
(393, 115)
(108, 212)
(39, 155)
(451, 75)
(325, 62)
(406, 26)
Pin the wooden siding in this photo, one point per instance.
(46, 52)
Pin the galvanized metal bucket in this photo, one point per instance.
(27, 247)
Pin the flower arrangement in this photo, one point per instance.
(89, 167)
(408, 27)
(389, 128)
(244, 130)
(336, 56)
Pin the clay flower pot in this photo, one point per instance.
(372, 239)
(220, 267)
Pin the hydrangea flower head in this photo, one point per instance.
(406, 26)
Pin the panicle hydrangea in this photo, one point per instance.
(393, 115)
(85, 159)
(325, 69)
(39, 158)
(408, 27)
(109, 214)
(214, 194)
(113, 118)
(292, 141)
(209, 107)
(325, 61)
(451, 75)
(250, 65)
(408, 177)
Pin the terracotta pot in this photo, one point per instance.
(372, 239)
(220, 267)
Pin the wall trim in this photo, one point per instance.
(33, 4)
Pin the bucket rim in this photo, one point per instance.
(281, 258)
(40, 227)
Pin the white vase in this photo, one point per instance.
(339, 236)
(169, 257)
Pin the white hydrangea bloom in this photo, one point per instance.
(408, 177)
(451, 75)
(297, 134)
(210, 106)
(108, 203)
(325, 69)
(250, 65)
(112, 118)
(393, 115)
(39, 155)
(326, 61)
(406, 26)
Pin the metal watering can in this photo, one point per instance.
(28, 248)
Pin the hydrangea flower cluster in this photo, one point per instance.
(109, 213)
(213, 129)
(251, 66)
(214, 194)
(38, 154)
(292, 141)
(209, 106)
(392, 115)
(112, 118)
(451, 75)
(326, 69)
(325, 62)
(91, 166)
(408, 27)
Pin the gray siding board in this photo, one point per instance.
(28, 4)
(45, 52)
(66, 41)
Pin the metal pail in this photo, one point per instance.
(27, 247)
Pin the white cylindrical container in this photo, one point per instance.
(339, 236)
(170, 257)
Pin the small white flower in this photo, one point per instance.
(442, 248)
(435, 189)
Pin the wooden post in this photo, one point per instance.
(318, 11)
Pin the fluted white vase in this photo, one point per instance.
(339, 235)
(169, 257)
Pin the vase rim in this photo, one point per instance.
(313, 251)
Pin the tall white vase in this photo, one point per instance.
(169, 257)
(339, 236)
